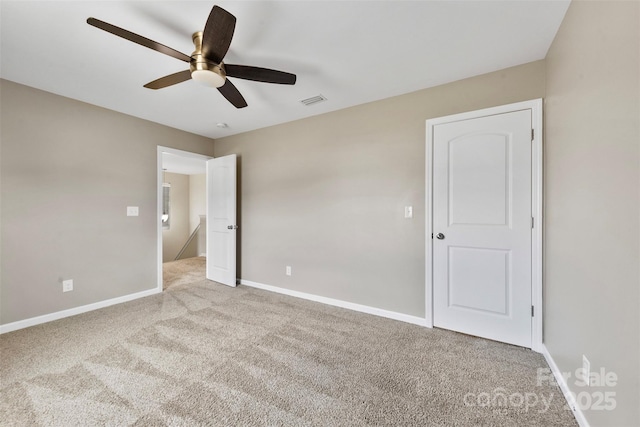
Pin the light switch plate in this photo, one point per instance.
(408, 211)
(132, 211)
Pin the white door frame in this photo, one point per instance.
(175, 152)
(535, 106)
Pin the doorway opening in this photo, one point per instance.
(181, 217)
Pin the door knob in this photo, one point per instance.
(232, 227)
(440, 236)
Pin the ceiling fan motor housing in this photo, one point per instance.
(203, 70)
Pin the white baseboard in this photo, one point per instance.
(339, 303)
(562, 383)
(21, 324)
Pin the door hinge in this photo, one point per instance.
(532, 222)
(531, 311)
(532, 135)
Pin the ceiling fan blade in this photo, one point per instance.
(258, 74)
(171, 79)
(120, 32)
(233, 95)
(217, 34)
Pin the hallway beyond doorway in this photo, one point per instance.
(183, 271)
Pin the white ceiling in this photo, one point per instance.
(352, 52)
(182, 164)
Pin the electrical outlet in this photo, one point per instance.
(288, 270)
(586, 370)
(67, 285)
(132, 211)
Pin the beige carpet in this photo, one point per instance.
(207, 354)
(188, 270)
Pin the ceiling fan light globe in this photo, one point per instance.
(208, 78)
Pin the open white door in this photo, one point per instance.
(221, 220)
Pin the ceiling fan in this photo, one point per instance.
(205, 63)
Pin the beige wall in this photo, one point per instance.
(592, 256)
(197, 199)
(68, 172)
(197, 208)
(179, 231)
(326, 194)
